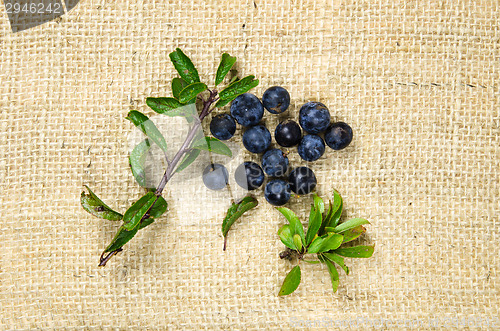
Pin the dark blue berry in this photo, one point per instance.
(338, 135)
(288, 133)
(311, 147)
(275, 163)
(314, 117)
(215, 176)
(223, 126)
(302, 180)
(276, 99)
(247, 109)
(277, 192)
(249, 175)
(257, 139)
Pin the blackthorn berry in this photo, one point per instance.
(338, 135)
(276, 99)
(249, 175)
(277, 192)
(223, 126)
(288, 133)
(302, 180)
(257, 139)
(275, 163)
(247, 109)
(314, 117)
(311, 147)
(215, 176)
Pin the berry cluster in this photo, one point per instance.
(247, 110)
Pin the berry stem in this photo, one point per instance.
(169, 172)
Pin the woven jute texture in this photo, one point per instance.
(417, 80)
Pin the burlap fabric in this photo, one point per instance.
(418, 82)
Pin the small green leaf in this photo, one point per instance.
(295, 224)
(212, 144)
(291, 282)
(325, 243)
(334, 212)
(319, 204)
(234, 89)
(314, 224)
(337, 201)
(352, 234)
(189, 158)
(326, 219)
(120, 239)
(137, 159)
(334, 274)
(159, 208)
(148, 128)
(178, 84)
(184, 66)
(92, 204)
(234, 212)
(226, 63)
(356, 251)
(136, 212)
(350, 224)
(332, 241)
(285, 234)
(166, 106)
(145, 223)
(297, 242)
(338, 260)
(235, 78)
(191, 91)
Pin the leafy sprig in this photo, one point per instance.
(186, 89)
(324, 237)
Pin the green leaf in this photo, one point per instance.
(212, 144)
(318, 203)
(297, 242)
(92, 204)
(291, 282)
(285, 234)
(136, 212)
(356, 251)
(189, 158)
(226, 63)
(350, 224)
(234, 212)
(295, 224)
(337, 201)
(178, 84)
(352, 234)
(334, 212)
(166, 106)
(121, 238)
(233, 90)
(234, 77)
(334, 274)
(314, 224)
(184, 66)
(332, 241)
(325, 243)
(159, 208)
(338, 260)
(145, 223)
(148, 128)
(191, 91)
(137, 158)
